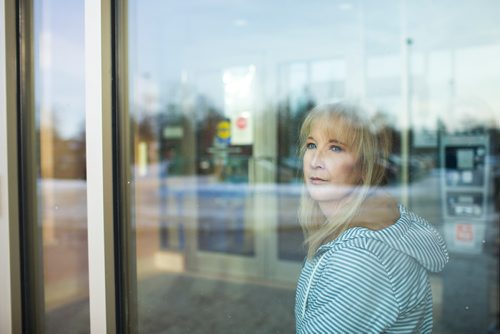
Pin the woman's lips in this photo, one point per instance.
(317, 180)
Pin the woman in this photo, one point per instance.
(368, 257)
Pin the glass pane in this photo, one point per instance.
(217, 95)
(61, 187)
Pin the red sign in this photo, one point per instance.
(241, 122)
(464, 232)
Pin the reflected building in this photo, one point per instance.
(206, 102)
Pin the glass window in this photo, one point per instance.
(217, 94)
(59, 92)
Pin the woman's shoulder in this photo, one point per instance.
(408, 243)
(353, 258)
(352, 269)
(362, 253)
(379, 211)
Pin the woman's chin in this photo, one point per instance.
(327, 194)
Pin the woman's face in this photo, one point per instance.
(330, 167)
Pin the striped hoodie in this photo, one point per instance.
(369, 281)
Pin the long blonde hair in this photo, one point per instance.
(369, 142)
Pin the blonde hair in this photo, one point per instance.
(370, 144)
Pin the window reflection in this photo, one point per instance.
(217, 96)
(61, 186)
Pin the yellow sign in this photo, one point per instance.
(224, 130)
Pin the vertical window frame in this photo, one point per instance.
(125, 238)
(32, 295)
(10, 287)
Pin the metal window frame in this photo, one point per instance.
(10, 287)
(125, 238)
(31, 248)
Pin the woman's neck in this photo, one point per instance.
(330, 209)
(379, 210)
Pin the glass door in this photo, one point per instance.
(227, 237)
(193, 128)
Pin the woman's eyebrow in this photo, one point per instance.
(335, 141)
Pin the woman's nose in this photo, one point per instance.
(317, 160)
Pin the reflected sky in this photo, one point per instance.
(226, 27)
(59, 74)
(176, 41)
(453, 55)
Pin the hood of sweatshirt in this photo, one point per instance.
(410, 234)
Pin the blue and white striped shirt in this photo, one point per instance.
(372, 281)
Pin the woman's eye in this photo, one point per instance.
(336, 148)
(310, 146)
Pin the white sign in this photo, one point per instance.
(465, 237)
(242, 129)
(173, 132)
(239, 103)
